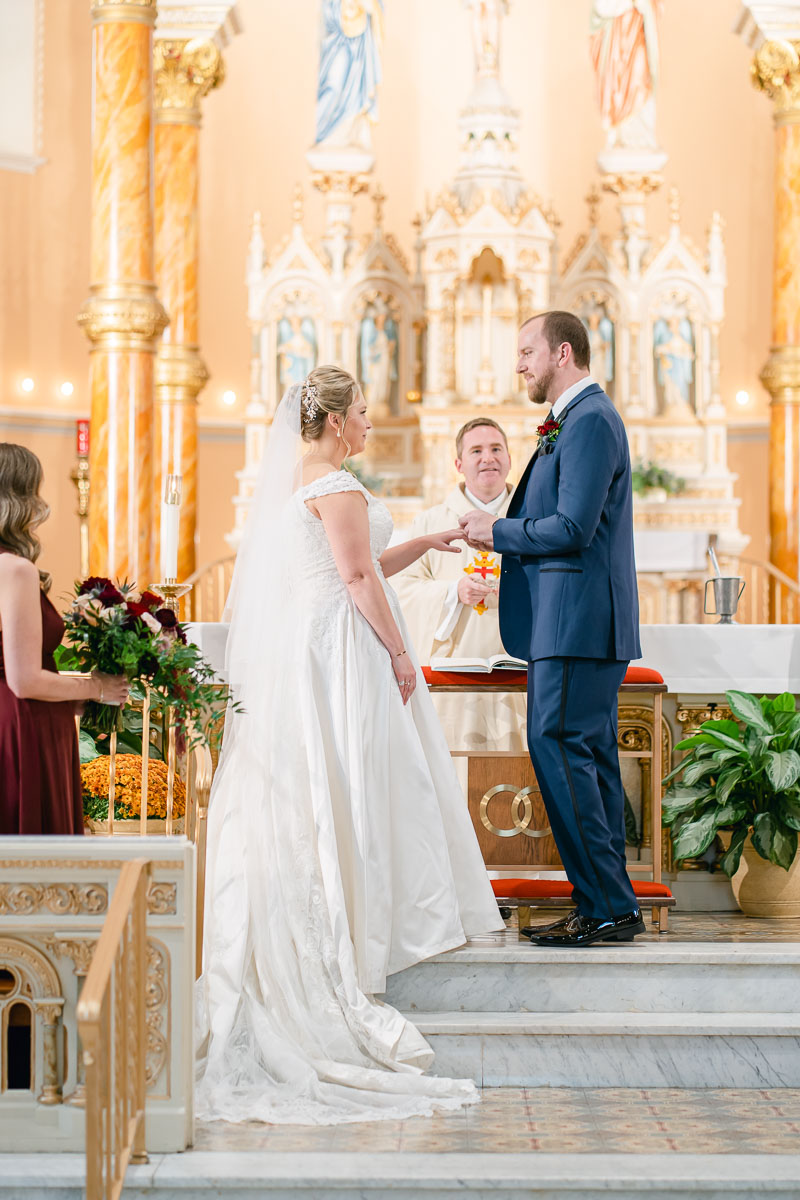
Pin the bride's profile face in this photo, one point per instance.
(357, 425)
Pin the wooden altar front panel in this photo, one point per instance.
(508, 812)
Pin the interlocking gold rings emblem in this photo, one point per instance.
(520, 804)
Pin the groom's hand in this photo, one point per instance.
(477, 528)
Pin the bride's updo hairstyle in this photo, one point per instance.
(327, 390)
(21, 507)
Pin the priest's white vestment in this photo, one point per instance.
(494, 720)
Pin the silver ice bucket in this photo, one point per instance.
(727, 593)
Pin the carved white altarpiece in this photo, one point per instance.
(433, 343)
(487, 247)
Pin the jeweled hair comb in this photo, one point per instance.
(308, 400)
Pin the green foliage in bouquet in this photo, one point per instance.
(647, 475)
(743, 776)
(119, 631)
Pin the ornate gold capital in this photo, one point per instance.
(340, 181)
(632, 183)
(776, 71)
(106, 12)
(180, 374)
(183, 72)
(80, 950)
(120, 317)
(781, 374)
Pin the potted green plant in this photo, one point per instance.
(653, 482)
(741, 780)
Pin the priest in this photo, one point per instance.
(450, 600)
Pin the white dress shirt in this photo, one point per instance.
(570, 394)
(452, 605)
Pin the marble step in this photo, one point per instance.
(614, 1049)
(364, 1176)
(756, 977)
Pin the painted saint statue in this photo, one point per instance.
(600, 328)
(349, 72)
(673, 347)
(623, 43)
(378, 360)
(297, 350)
(487, 16)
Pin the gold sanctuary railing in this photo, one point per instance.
(193, 768)
(111, 1013)
(210, 585)
(770, 597)
(113, 1033)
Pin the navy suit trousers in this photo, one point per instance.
(572, 738)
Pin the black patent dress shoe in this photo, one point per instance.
(531, 931)
(584, 931)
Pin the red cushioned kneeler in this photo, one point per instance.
(556, 889)
(511, 679)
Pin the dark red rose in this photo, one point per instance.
(109, 596)
(148, 602)
(171, 623)
(94, 583)
(548, 426)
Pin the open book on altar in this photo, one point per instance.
(496, 662)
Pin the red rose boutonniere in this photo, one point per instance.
(548, 431)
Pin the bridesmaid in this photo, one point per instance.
(40, 784)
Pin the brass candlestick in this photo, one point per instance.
(172, 591)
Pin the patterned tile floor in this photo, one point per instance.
(555, 1121)
(577, 1120)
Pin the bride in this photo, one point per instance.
(340, 849)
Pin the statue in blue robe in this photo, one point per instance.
(673, 347)
(349, 71)
(297, 349)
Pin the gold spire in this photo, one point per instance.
(378, 199)
(593, 201)
(297, 204)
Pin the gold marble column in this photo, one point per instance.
(122, 318)
(776, 71)
(185, 71)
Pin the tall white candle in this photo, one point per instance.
(170, 527)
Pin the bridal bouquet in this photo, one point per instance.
(115, 629)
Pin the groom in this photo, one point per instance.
(568, 604)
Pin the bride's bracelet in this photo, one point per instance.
(400, 653)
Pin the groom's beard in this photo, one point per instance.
(541, 387)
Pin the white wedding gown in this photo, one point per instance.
(340, 850)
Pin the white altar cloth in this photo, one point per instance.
(698, 660)
(710, 659)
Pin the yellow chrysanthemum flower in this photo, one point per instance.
(128, 786)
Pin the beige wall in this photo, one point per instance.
(257, 127)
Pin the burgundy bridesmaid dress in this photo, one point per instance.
(40, 782)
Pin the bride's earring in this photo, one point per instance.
(338, 433)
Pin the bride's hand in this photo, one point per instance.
(405, 674)
(441, 541)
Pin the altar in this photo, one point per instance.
(699, 664)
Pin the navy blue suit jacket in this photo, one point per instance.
(568, 581)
